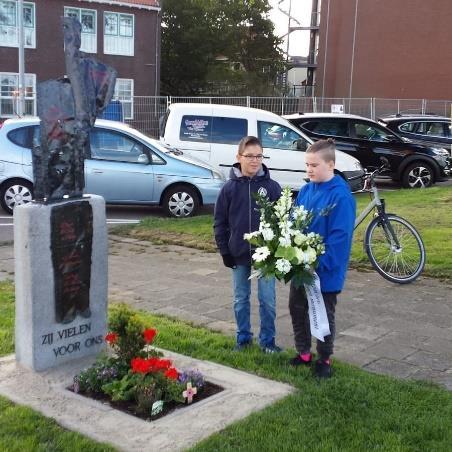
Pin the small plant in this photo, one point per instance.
(135, 372)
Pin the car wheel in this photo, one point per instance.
(181, 201)
(15, 193)
(418, 175)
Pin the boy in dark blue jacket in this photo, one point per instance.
(334, 208)
(236, 214)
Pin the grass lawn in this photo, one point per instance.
(429, 210)
(353, 411)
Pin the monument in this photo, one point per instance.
(60, 239)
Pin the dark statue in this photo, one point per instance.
(68, 108)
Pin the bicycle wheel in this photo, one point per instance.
(401, 263)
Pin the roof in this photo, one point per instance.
(412, 117)
(324, 115)
(144, 4)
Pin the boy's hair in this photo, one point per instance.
(326, 148)
(248, 141)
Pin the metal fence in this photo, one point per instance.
(148, 110)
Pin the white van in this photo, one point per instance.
(212, 133)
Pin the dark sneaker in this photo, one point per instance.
(239, 347)
(298, 361)
(271, 349)
(323, 368)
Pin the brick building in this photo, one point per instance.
(385, 49)
(122, 33)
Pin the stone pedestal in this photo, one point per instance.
(61, 269)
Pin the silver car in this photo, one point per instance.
(126, 167)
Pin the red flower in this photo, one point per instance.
(139, 365)
(111, 338)
(172, 373)
(163, 364)
(149, 335)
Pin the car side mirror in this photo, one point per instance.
(300, 145)
(143, 158)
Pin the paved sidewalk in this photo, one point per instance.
(401, 330)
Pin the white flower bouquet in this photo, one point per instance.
(282, 246)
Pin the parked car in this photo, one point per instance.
(126, 167)
(413, 164)
(212, 133)
(430, 130)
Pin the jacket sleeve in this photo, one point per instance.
(276, 191)
(338, 241)
(221, 222)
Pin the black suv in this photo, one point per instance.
(371, 143)
(430, 130)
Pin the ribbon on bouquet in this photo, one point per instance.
(317, 312)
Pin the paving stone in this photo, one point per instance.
(432, 361)
(391, 367)
(360, 359)
(387, 349)
(365, 332)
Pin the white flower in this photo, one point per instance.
(283, 265)
(260, 254)
(267, 234)
(264, 225)
(299, 238)
(249, 236)
(310, 255)
(285, 241)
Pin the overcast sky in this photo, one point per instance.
(301, 10)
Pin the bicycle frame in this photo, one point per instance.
(376, 202)
(381, 212)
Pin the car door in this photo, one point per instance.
(372, 143)
(285, 160)
(119, 168)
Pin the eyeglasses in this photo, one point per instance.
(250, 157)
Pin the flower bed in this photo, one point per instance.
(135, 377)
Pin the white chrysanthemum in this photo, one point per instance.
(267, 234)
(283, 265)
(299, 238)
(310, 255)
(261, 253)
(285, 241)
(250, 235)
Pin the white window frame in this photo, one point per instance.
(30, 95)
(88, 45)
(122, 99)
(115, 42)
(29, 31)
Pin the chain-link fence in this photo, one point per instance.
(148, 110)
(144, 112)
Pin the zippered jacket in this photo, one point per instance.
(236, 211)
(334, 211)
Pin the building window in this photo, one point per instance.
(124, 93)
(88, 19)
(9, 94)
(9, 24)
(119, 34)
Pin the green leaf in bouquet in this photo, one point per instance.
(286, 252)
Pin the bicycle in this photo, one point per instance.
(394, 247)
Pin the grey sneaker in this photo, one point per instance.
(271, 349)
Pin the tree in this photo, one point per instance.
(222, 42)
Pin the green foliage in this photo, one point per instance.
(237, 31)
(6, 318)
(129, 327)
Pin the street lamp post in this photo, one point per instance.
(20, 23)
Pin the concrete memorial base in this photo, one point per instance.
(46, 392)
(61, 281)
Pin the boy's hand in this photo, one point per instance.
(229, 261)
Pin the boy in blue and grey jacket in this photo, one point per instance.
(334, 208)
(236, 213)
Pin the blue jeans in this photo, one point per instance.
(267, 306)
